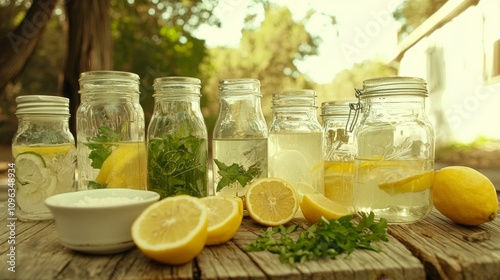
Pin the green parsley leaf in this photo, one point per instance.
(235, 173)
(102, 145)
(324, 239)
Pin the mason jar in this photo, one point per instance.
(239, 137)
(177, 139)
(338, 149)
(394, 142)
(295, 140)
(110, 132)
(44, 154)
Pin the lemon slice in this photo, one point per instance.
(314, 206)
(224, 218)
(415, 183)
(271, 201)
(34, 181)
(173, 230)
(125, 167)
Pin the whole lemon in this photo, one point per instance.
(464, 195)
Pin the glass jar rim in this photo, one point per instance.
(108, 82)
(108, 74)
(294, 98)
(175, 85)
(337, 107)
(396, 85)
(239, 86)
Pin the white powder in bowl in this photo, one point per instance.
(106, 201)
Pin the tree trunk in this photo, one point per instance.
(89, 46)
(19, 45)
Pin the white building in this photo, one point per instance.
(457, 50)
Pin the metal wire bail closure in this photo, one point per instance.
(354, 109)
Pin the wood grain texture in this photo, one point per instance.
(434, 248)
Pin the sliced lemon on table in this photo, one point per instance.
(314, 206)
(224, 218)
(271, 201)
(125, 167)
(173, 230)
(415, 183)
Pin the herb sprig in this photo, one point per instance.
(325, 239)
(102, 145)
(235, 173)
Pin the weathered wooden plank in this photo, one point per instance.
(452, 251)
(394, 261)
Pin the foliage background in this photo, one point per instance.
(155, 38)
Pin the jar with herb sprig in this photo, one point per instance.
(177, 139)
(239, 138)
(110, 131)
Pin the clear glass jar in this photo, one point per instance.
(239, 137)
(110, 132)
(394, 142)
(44, 154)
(177, 139)
(295, 140)
(338, 150)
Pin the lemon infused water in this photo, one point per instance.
(338, 180)
(44, 154)
(110, 124)
(239, 146)
(105, 164)
(295, 148)
(297, 158)
(394, 143)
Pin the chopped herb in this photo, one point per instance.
(95, 185)
(178, 166)
(324, 239)
(102, 145)
(235, 173)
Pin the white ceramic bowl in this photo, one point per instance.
(98, 221)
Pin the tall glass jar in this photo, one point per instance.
(177, 139)
(44, 154)
(110, 132)
(295, 140)
(239, 137)
(338, 150)
(394, 144)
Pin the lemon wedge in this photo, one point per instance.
(125, 167)
(314, 206)
(224, 218)
(415, 183)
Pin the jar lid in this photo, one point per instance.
(394, 86)
(42, 104)
(337, 107)
(295, 98)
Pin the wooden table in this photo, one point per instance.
(434, 249)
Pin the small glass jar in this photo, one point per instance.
(110, 132)
(394, 142)
(295, 140)
(239, 137)
(44, 154)
(177, 139)
(338, 150)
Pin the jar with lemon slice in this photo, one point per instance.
(110, 132)
(338, 150)
(394, 144)
(44, 154)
